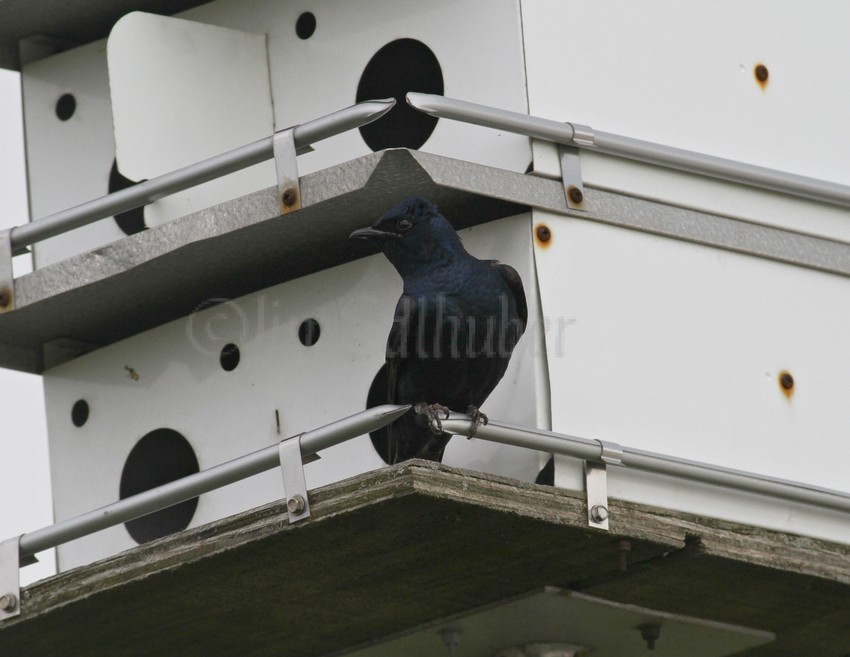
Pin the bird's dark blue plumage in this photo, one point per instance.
(455, 326)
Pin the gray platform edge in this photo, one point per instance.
(145, 280)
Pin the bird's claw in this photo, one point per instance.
(432, 413)
(478, 418)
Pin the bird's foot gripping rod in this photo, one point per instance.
(432, 413)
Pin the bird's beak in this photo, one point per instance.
(371, 234)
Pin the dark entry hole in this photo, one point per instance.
(309, 332)
(305, 25)
(160, 457)
(131, 221)
(400, 66)
(229, 357)
(377, 396)
(546, 476)
(65, 107)
(80, 412)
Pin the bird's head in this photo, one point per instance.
(413, 235)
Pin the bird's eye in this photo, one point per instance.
(404, 224)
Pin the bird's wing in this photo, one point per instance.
(398, 344)
(514, 283)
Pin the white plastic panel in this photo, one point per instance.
(181, 92)
(176, 382)
(68, 162)
(683, 75)
(478, 44)
(173, 106)
(678, 348)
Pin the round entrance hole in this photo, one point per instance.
(400, 66)
(160, 457)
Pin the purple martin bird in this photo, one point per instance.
(455, 326)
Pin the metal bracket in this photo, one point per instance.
(286, 166)
(596, 483)
(583, 135)
(612, 453)
(294, 484)
(571, 176)
(596, 486)
(7, 276)
(571, 165)
(10, 581)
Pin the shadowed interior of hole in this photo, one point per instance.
(131, 221)
(159, 457)
(377, 396)
(400, 66)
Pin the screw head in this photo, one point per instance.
(761, 73)
(5, 297)
(650, 632)
(8, 602)
(544, 234)
(289, 196)
(576, 195)
(786, 380)
(599, 513)
(295, 504)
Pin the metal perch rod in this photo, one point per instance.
(195, 174)
(584, 137)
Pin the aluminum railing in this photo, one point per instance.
(363, 113)
(338, 432)
(151, 190)
(371, 419)
(585, 137)
(204, 481)
(20, 550)
(636, 459)
(582, 137)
